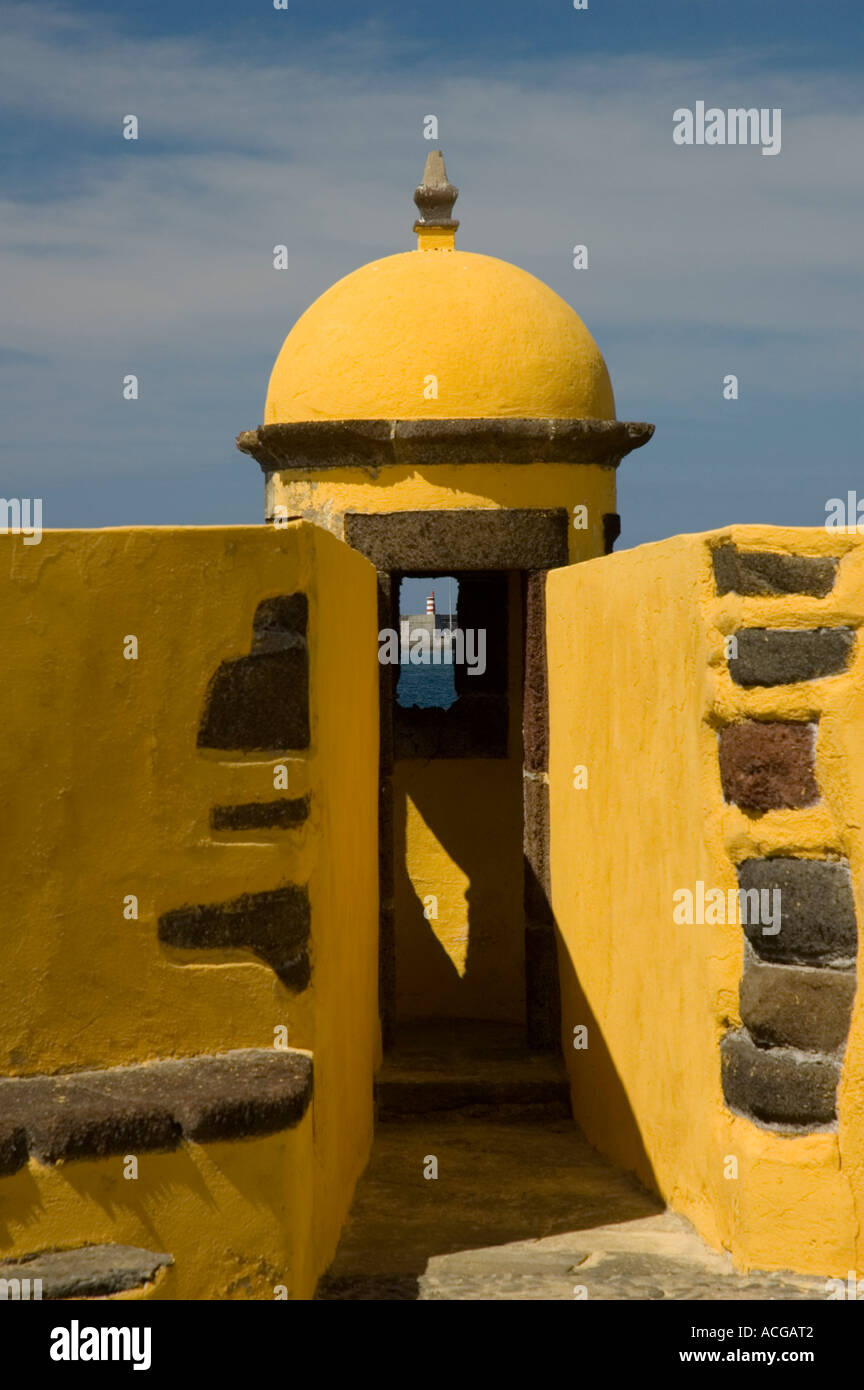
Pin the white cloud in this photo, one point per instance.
(160, 251)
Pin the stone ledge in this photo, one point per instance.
(783, 656)
(778, 1086)
(155, 1105)
(310, 445)
(91, 1271)
(766, 572)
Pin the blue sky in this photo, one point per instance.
(305, 127)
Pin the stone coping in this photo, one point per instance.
(374, 444)
(147, 1106)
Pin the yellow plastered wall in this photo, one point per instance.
(638, 684)
(443, 487)
(105, 794)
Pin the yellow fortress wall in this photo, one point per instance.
(105, 794)
(641, 695)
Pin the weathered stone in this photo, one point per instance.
(764, 766)
(535, 843)
(260, 702)
(461, 539)
(13, 1148)
(535, 702)
(373, 444)
(90, 1271)
(425, 1074)
(280, 623)
(120, 1110)
(779, 1085)
(817, 910)
(752, 572)
(582, 1222)
(780, 656)
(792, 1006)
(435, 196)
(274, 925)
(282, 814)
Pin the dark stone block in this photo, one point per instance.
(280, 623)
(260, 702)
(542, 992)
(753, 572)
(791, 1006)
(475, 726)
(489, 538)
(374, 444)
(777, 656)
(274, 925)
(238, 1094)
(91, 1271)
(764, 766)
(120, 1110)
(778, 1085)
(283, 814)
(611, 531)
(817, 910)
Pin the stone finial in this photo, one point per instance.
(435, 196)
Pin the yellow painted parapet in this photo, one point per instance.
(672, 767)
(168, 895)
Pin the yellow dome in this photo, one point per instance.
(497, 341)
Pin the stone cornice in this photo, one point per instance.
(374, 444)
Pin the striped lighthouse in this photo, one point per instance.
(430, 604)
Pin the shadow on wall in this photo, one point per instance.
(469, 961)
(599, 1073)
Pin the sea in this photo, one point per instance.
(428, 687)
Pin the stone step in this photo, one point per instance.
(522, 1211)
(90, 1271)
(470, 1068)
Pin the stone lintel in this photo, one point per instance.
(311, 445)
(488, 538)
